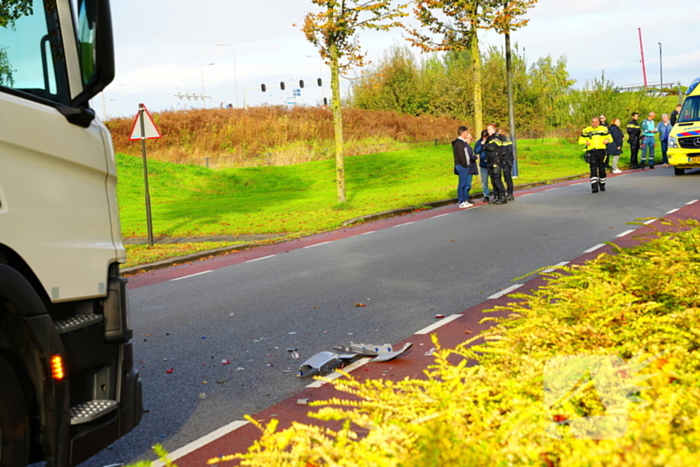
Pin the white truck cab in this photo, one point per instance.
(68, 380)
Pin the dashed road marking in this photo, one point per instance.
(438, 324)
(259, 259)
(505, 291)
(368, 233)
(318, 244)
(673, 210)
(691, 202)
(191, 275)
(594, 248)
(335, 374)
(441, 215)
(626, 232)
(203, 441)
(407, 223)
(556, 266)
(526, 194)
(550, 189)
(650, 221)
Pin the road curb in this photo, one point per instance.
(447, 202)
(166, 263)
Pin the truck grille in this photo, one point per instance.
(690, 143)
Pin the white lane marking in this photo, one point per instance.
(550, 189)
(626, 232)
(441, 215)
(526, 194)
(259, 259)
(558, 265)
(438, 324)
(318, 244)
(336, 375)
(368, 233)
(191, 275)
(691, 202)
(407, 223)
(203, 441)
(505, 291)
(650, 221)
(673, 210)
(594, 248)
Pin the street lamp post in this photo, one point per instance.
(202, 70)
(661, 65)
(320, 73)
(235, 72)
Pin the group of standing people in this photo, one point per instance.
(494, 154)
(603, 142)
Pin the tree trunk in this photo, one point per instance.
(337, 124)
(511, 103)
(476, 69)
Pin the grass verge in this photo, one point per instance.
(142, 254)
(196, 201)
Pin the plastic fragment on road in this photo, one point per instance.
(367, 350)
(292, 333)
(202, 395)
(225, 362)
(439, 316)
(294, 353)
(170, 370)
(240, 368)
(302, 401)
(361, 305)
(385, 357)
(323, 363)
(429, 353)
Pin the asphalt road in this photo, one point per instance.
(250, 313)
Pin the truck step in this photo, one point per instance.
(77, 322)
(91, 410)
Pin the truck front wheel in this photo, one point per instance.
(14, 422)
(678, 171)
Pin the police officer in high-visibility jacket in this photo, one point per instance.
(596, 137)
(634, 131)
(499, 157)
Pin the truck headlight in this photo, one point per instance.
(672, 142)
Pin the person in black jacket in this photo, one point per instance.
(634, 132)
(499, 157)
(465, 165)
(483, 166)
(614, 148)
(675, 114)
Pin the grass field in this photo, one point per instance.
(301, 199)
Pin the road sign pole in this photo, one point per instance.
(149, 220)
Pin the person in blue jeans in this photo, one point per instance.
(465, 165)
(664, 129)
(483, 166)
(648, 139)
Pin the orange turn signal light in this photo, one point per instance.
(57, 368)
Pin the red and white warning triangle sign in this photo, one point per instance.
(148, 129)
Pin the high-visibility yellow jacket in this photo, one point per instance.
(598, 137)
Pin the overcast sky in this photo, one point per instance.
(161, 46)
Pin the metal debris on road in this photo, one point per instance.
(302, 401)
(240, 368)
(294, 353)
(292, 333)
(429, 352)
(385, 357)
(323, 363)
(202, 395)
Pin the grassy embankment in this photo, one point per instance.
(301, 199)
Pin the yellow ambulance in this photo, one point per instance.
(684, 140)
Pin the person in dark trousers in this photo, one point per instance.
(595, 138)
(604, 122)
(675, 114)
(483, 166)
(634, 132)
(465, 165)
(615, 147)
(499, 152)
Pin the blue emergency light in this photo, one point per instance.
(692, 86)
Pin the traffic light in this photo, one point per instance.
(263, 87)
(320, 82)
(325, 101)
(282, 85)
(301, 83)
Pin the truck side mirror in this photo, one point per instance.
(95, 48)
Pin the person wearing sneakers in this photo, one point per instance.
(648, 139)
(664, 130)
(595, 138)
(465, 165)
(483, 166)
(614, 148)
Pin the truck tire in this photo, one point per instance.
(14, 421)
(678, 171)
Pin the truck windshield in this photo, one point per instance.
(691, 110)
(31, 52)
